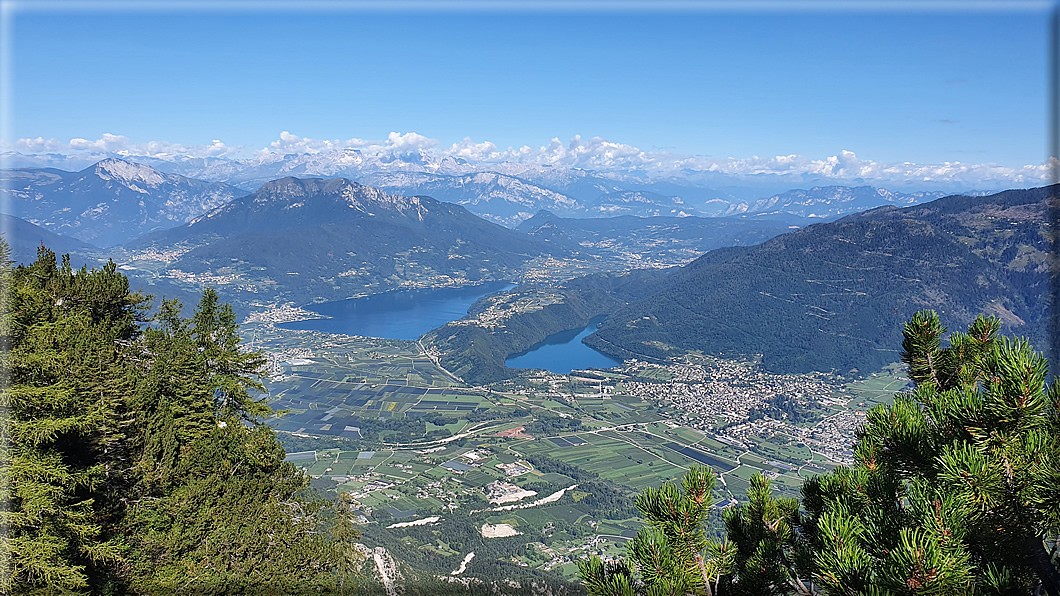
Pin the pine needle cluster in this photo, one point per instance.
(955, 489)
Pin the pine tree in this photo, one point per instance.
(956, 486)
(671, 552)
(955, 489)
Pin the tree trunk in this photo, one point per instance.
(706, 579)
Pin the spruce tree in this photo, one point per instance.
(133, 458)
(216, 508)
(67, 423)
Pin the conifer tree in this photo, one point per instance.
(217, 509)
(134, 458)
(671, 552)
(67, 422)
(955, 489)
(955, 485)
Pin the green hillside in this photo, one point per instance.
(834, 295)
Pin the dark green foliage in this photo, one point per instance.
(764, 555)
(953, 490)
(545, 425)
(960, 475)
(954, 484)
(67, 430)
(134, 460)
(669, 554)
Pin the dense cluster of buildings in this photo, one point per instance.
(718, 396)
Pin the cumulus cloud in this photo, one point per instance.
(472, 151)
(292, 143)
(39, 145)
(112, 144)
(108, 142)
(411, 141)
(395, 143)
(595, 153)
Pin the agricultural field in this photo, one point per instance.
(542, 469)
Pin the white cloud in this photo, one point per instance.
(395, 143)
(472, 151)
(595, 153)
(112, 144)
(291, 143)
(407, 142)
(39, 145)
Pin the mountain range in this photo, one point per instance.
(116, 200)
(829, 296)
(835, 295)
(497, 197)
(314, 239)
(661, 239)
(108, 203)
(829, 202)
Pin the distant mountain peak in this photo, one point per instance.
(112, 201)
(315, 193)
(830, 201)
(344, 238)
(128, 173)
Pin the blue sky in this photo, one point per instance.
(925, 87)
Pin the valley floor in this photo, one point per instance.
(537, 471)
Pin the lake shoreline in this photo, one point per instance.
(397, 314)
(564, 351)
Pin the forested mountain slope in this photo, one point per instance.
(332, 239)
(659, 235)
(835, 295)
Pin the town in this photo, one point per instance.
(511, 459)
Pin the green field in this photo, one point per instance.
(628, 438)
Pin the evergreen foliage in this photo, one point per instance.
(133, 458)
(954, 490)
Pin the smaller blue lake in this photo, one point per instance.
(563, 352)
(402, 314)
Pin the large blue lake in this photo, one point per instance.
(408, 314)
(563, 352)
(402, 314)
